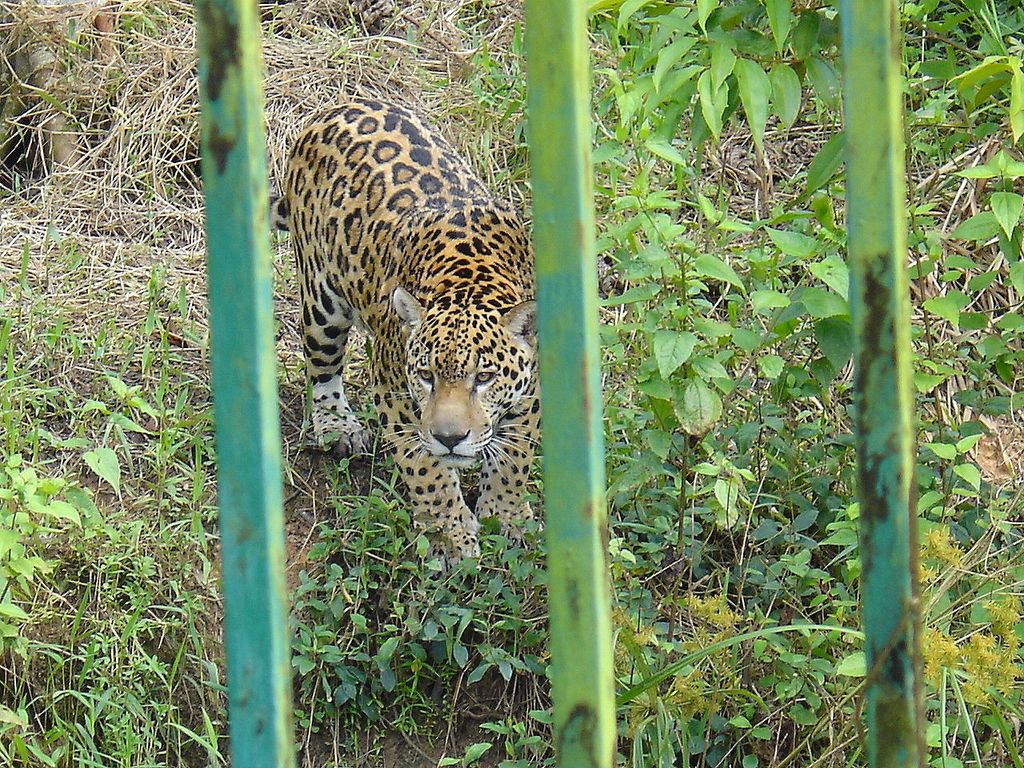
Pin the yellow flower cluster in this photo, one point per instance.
(695, 689)
(938, 553)
(988, 665)
(689, 694)
(714, 610)
(940, 652)
(1005, 616)
(987, 659)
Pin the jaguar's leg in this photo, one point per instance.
(506, 468)
(434, 494)
(326, 321)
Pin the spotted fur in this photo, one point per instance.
(393, 230)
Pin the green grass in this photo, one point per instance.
(106, 483)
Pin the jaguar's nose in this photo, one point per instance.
(450, 441)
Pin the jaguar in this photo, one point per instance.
(394, 233)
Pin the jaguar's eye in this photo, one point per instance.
(426, 376)
(484, 377)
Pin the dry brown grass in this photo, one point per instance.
(131, 199)
(133, 94)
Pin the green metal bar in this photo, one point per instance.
(880, 308)
(244, 384)
(578, 592)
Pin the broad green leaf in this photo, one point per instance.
(10, 544)
(755, 88)
(656, 388)
(1008, 167)
(926, 382)
(992, 65)
(668, 57)
(1017, 103)
(712, 103)
(387, 649)
(793, 243)
(708, 368)
(658, 441)
(834, 273)
(704, 9)
(843, 537)
(825, 164)
(780, 19)
(786, 93)
(823, 78)
(475, 751)
(1002, 165)
(104, 463)
(708, 209)
(965, 444)
(83, 503)
(853, 665)
(672, 349)
(771, 366)
(627, 9)
(821, 303)
(664, 149)
(969, 473)
(722, 62)
(728, 492)
(985, 171)
(1006, 207)
(948, 307)
(749, 340)
(119, 388)
(982, 281)
(62, 510)
(1017, 275)
(959, 261)
(699, 407)
(763, 301)
(633, 295)
(10, 717)
(835, 337)
(980, 227)
(128, 425)
(804, 39)
(942, 450)
(12, 611)
(707, 265)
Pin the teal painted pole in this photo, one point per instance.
(244, 384)
(582, 684)
(876, 210)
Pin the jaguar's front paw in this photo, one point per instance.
(452, 545)
(515, 526)
(514, 523)
(340, 433)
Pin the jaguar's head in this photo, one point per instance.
(467, 364)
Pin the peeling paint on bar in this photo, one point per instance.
(244, 385)
(882, 385)
(578, 593)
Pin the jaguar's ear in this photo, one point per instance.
(521, 322)
(405, 304)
